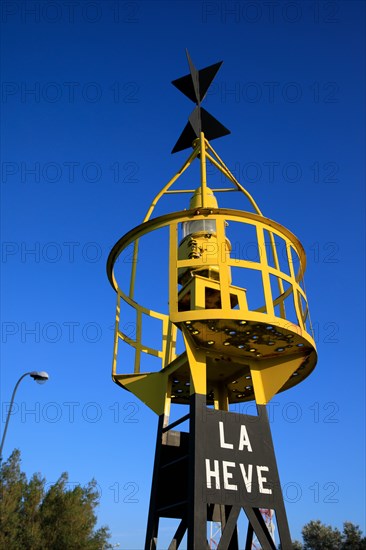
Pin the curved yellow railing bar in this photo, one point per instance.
(166, 352)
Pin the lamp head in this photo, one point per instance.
(41, 377)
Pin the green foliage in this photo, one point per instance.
(352, 537)
(33, 518)
(318, 536)
(321, 537)
(12, 485)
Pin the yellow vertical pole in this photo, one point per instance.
(279, 280)
(138, 340)
(203, 168)
(169, 342)
(223, 267)
(265, 272)
(173, 269)
(295, 292)
(133, 269)
(116, 336)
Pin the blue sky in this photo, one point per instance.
(89, 118)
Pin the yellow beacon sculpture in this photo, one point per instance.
(236, 298)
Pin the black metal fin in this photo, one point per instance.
(211, 126)
(195, 86)
(200, 118)
(206, 76)
(185, 84)
(195, 77)
(186, 139)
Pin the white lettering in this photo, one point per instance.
(224, 445)
(212, 474)
(228, 475)
(244, 439)
(247, 477)
(262, 479)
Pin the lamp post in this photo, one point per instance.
(40, 377)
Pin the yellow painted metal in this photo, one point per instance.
(187, 163)
(197, 367)
(150, 388)
(269, 376)
(202, 242)
(196, 200)
(166, 351)
(234, 352)
(269, 308)
(203, 171)
(277, 266)
(153, 388)
(264, 315)
(200, 147)
(194, 294)
(219, 163)
(224, 266)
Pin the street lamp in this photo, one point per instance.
(40, 377)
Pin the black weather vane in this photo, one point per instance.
(195, 86)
